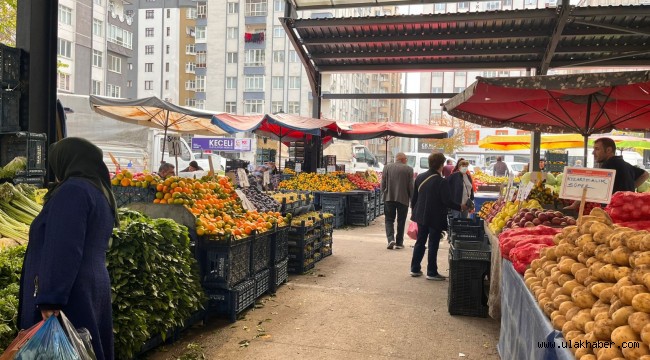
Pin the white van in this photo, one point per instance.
(420, 162)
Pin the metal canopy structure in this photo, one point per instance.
(566, 36)
(334, 4)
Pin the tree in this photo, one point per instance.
(8, 9)
(457, 141)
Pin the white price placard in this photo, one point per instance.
(243, 178)
(331, 168)
(529, 187)
(266, 178)
(321, 171)
(599, 184)
(174, 145)
(298, 167)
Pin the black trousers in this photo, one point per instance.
(393, 209)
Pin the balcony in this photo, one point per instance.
(254, 95)
(254, 41)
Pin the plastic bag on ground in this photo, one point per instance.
(79, 338)
(20, 341)
(49, 343)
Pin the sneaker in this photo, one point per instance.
(399, 246)
(391, 245)
(437, 277)
(416, 274)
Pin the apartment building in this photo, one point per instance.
(96, 40)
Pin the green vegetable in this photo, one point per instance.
(15, 165)
(154, 280)
(11, 264)
(18, 205)
(28, 190)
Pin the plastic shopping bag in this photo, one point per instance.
(49, 342)
(412, 231)
(79, 338)
(19, 341)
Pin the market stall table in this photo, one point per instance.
(526, 332)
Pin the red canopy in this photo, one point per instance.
(372, 130)
(284, 127)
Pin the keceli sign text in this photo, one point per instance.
(221, 144)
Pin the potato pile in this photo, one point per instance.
(593, 284)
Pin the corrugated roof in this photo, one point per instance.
(323, 4)
(537, 38)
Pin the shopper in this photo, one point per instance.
(65, 264)
(448, 169)
(462, 190)
(542, 164)
(194, 166)
(627, 177)
(429, 207)
(166, 170)
(500, 168)
(396, 189)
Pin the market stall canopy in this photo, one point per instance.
(373, 130)
(283, 127)
(522, 142)
(626, 142)
(156, 113)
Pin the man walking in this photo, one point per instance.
(500, 168)
(397, 189)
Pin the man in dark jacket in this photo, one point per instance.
(397, 189)
(429, 207)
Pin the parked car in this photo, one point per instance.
(514, 168)
(420, 162)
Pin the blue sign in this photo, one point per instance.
(221, 144)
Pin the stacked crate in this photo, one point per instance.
(31, 146)
(372, 206)
(556, 161)
(378, 203)
(469, 268)
(301, 246)
(326, 236)
(358, 208)
(279, 257)
(335, 204)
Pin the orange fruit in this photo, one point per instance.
(125, 182)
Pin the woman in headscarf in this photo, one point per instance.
(65, 264)
(462, 189)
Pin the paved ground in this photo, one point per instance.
(359, 303)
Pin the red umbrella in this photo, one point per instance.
(586, 104)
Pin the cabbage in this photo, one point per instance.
(550, 179)
(525, 178)
(558, 179)
(645, 187)
(15, 165)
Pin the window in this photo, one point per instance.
(490, 74)
(278, 56)
(190, 85)
(200, 33)
(130, 65)
(463, 5)
(166, 67)
(190, 49)
(471, 137)
(231, 107)
(507, 2)
(97, 58)
(148, 50)
(129, 83)
(113, 91)
(293, 107)
(440, 7)
(167, 49)
(148, 67)
(254, 57)
(65, 48)
(436, 90)
(148, 32)
(119, 36)
(255, 8)
(200, 104)
(148, 14)
(530, 2)
(98, 28)
(254, 83)
(148, 85)
(190, 67)
(202, 11)
(231, 32)
(278, 32)
(492, 5)
(277, 82)
(169, 13)
(65, 15)
(64, 82)
(114, 64)
(166, 84)
(233, 8)
(201, 57)
(190, 13)
(231, 82)
(200, 83)
(459, 89)
(293, 56)
(96, 87)
(278, 5)
(98, 2)
(294, 82)
(190, 102)
(231, 58)
(169, 31)
(253, 107)
(501, 132)
(276, 107)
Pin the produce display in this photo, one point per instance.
(481, 178)
(521, 246)
(308, 218)
(262, 201)
(17, 164)
(593, 285)
(11, 264)
(18, 208)
(485, 210)
(502, 212)
(287, 197)
(318, 182)
(629, 206)
(362, 183)
(533, 217)
(154, 280)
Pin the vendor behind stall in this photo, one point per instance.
(194, 166)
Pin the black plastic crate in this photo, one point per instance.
(224, 263)
(335, 209)
(357, 207)
(231, 302)
(302, 229)
(32, 146)
(470, 251)
(556, 156)
(9, 66)
(38, 181)
(468, 284)
(332, 199)
(466, 229)
(261, 252)
(326, 251)
(554, 167)
(279, 244)
(329, 160)
(125, 195)
(357, 219)
(279, 275)
(299, 268)
(262, 280)
(318, 256)
(9, 111)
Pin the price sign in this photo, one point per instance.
(331, 168)
(266, 178)
(174, 145)
(243, 178)
(321, 171)
(520, 194)
(526, 191)
(298, 167)
(598, 182)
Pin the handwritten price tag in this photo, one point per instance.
(598, 182)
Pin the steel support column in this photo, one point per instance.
(314, 155)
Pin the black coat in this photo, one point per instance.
(431, 203)
(456, 185)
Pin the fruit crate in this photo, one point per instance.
(38, 181)
(295, 267)
(261, 252)
(329, 160)
(32, 146)
(318, 256)
(468, 284)
(465, 229)
(224, 263)
(262, 280)
(233, 301)
(279, 244)
(358, 200)
(9, 110)
(470, 251)
(360, 219)
(562, 157)
(298, 253)
(9, 66)
(554, 167)
(381, 209)
(331, 199)
(125, 195)
(317, 245)
(301, 229)
(279, 275)
(326, 251)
